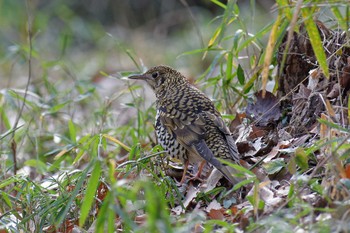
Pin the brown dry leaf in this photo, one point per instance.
(140, 219)
(216, 214)
(276, 149)
(257, 132)
(323, 128)
(259, 173)
(237, 121)
(70, 188)
(302, 95)
(256, 146)
(334, 93)
(347, 170)
(102, 191)
(264, 111)
(345, 77)
(297, 142)
(329, 108)
(307, 106)
(244, 147)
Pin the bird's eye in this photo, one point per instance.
(155, 75)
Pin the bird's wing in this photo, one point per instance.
(186, 131)
(219, 122)
(191, 133)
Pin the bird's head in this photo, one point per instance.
(160, 78)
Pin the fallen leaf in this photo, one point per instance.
(274, 166)
(213, 179)
(347, 170)
(213, 205)
(301, 159)
(216, 214)
(264, 111)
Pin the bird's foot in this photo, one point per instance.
(196, 178)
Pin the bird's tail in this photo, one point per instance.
(201, 149)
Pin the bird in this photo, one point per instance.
(187, 124)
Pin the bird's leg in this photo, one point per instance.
(198, 174)
(200, 168)
(185, 171)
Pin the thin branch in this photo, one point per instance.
(30, 36)
(194, 21)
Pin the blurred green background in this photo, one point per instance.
(92, 36)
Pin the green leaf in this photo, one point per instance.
(229, 67)
(260, 205)
(315, 40)
(243, 183)
(301, 159)
(39, 165)
(62, 214)
(291, 166)
(8, 181)
(5, 120)
(249, 41)
(105, 210)
(240, 75)
(274, 166)
(285, 6)
(72, 132)
(8, 132)
(291, 195)
(220, 4)
(316, 186)
(7, 200)
(90, 192)
(333, 125)
(84, 95)
(58, 107)
(111, 221)
(57, 164)
(340, 19)
(236, 38)
(84, 142)
(238, 167)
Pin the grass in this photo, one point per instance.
(77, 153)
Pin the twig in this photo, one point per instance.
(194, 21)
(30, 36)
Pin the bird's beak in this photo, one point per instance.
(139, 76)
(145, 77)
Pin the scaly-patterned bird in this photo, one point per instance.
(187, 125)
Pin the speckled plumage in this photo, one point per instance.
(187, 124)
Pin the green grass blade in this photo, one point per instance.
(220, 4)
(229, 75)
(90, 193)
(342, 21)
(72, 131)
(315, 40)
(285, 6)
(63, 213)
(240, 75)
